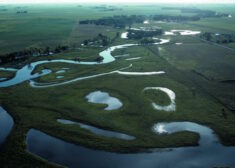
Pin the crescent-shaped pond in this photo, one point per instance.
(170, 94)
(104, 98)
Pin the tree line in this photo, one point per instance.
(24, 12)
(121, 21)
(218, 38)
(99, 40)
(116, 21)
(178, 18)
(199, 12)
(146, 41)
(33, 51)
(138, 34)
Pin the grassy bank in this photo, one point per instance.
(193, 71)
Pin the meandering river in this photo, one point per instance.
(26, 72)
(209, 153)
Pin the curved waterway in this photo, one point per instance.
(25, 73)
(120, 72)
(209, 153)
(6, 124)
(59, 77)
(97, 131)
(170, 94)
(124, 35)
(2, 79)
(182, 32)
(134, 58)
(45, 85)
(60, 71)
(104, 98)
(173, 127)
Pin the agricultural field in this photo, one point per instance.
(52, 56)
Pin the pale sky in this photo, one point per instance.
(117, 1)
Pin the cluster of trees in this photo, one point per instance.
(218, 38)
(122, 21)
(105, 8)
(24, 12)
(189, 10)
(99, 59)
(98, 40)
(60, 49)
(146, 41)
(25, 54)
(116, 21)
(225, 38)
(207, 36)
(3, 9)
(175, 18)
(199, 12)
(211, 14)
(138, 34)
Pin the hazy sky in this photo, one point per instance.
(117, 1)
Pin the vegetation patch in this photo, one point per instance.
(200, 73)
(158, 97)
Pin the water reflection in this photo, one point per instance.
(104, 98)
(98, 131)
(64, 153)
(6, 124)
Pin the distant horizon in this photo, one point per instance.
(116, 1)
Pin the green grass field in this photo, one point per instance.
(193, 71)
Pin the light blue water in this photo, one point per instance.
(25, 73)
(104, 98)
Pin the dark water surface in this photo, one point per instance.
(210, 152)
(6, 124)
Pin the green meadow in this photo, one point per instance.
(194, 70)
